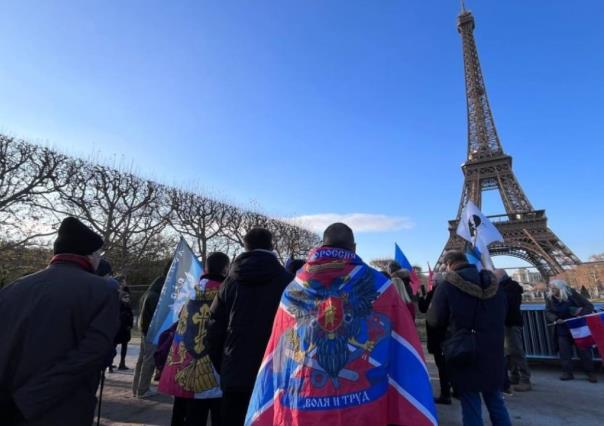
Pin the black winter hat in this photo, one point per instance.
(76, 238)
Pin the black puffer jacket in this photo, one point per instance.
(465, 298)
(242, 317)
(434, 335)
(513, 292)
(126, 321)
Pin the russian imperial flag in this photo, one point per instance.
(588, 331)
(344, 351)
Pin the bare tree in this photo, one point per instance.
(201, 218)
(292, 241)
(140, 220)
(128, 212)
(239, 222)
(26, 173)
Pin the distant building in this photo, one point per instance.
(524, 276)
(531, 282)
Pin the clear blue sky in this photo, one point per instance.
(315, 107)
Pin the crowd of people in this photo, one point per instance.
(263, 343)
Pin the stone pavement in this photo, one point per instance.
(551, 403)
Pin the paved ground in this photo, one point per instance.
(551, 403)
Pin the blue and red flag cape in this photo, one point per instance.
(343, 351)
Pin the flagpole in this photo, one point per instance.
(584, 316)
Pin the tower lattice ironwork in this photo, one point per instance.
(524, 229)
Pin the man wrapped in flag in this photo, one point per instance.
(189, 374)
(343, 349)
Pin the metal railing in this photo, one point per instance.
(537, 336)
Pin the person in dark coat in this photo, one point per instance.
(520, 376)
(57, 329)
(293, 265)
(564, 303)
(241, 318)
(472, 300)
(145, 365)
(435, 337)
(124, 333)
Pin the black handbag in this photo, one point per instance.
(460, 350)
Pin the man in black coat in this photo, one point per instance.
(57, 329)
(241, 320)
(435, 337)
(472, 300)
(520, 376)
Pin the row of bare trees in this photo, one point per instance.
(588, 277)
(139, 219)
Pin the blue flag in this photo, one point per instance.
(401, 259)
(179, 288)
(473, 255)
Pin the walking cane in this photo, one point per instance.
(98, 418)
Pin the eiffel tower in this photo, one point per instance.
(524, 229)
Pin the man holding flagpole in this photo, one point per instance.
(563, 304)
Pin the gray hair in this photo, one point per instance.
(562, 286)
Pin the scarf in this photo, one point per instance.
(74, 259)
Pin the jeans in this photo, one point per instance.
(566, 344)
(471, 408)
(145, 366)
(516, 357)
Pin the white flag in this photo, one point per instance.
(479, 231)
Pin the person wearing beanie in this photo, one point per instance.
(57, 327)
(104, 270)
(76, 238)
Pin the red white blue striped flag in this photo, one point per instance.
(588, 330)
